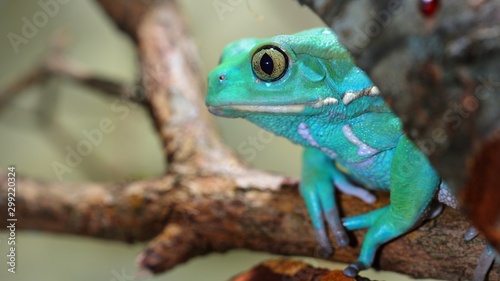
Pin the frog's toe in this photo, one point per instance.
(484, 264)
(322, 238)
(341, 238)
(314, 207)
(471, 233)
(338, 230)
(353, 269)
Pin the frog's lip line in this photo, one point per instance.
(289, 108)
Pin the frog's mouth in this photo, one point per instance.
(220, 110)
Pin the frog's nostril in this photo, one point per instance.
(222, 77)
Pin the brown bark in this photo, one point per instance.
(208, 201)
(195, 215)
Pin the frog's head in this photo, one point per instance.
(307, 73)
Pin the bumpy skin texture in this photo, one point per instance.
(307, 88)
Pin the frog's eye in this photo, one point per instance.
(269, 63)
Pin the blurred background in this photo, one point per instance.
(38, 125)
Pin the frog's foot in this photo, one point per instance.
(333, 219)
(384, 225)
(354, 268)
(365, 220)
(319, 195)
(324, 242)
(321, 206)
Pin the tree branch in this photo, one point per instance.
(57, 64)
(197, 215)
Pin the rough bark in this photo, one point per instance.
(208, 201)
(439, 72)
(187, 216)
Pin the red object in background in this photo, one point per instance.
(429, 7)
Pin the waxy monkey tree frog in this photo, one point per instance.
(306, 87)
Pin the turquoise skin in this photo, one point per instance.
(306, 87)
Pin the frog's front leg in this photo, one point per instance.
(318, 174)
(413, 184)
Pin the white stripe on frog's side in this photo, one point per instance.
(305, 134)
(350, 96)
(341, 182)
(325, 102)
(364, 149)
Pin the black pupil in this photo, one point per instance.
(266, 64)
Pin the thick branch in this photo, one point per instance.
(203, 214)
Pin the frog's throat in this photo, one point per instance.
(288, 108)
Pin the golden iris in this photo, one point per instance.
(269, 63)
